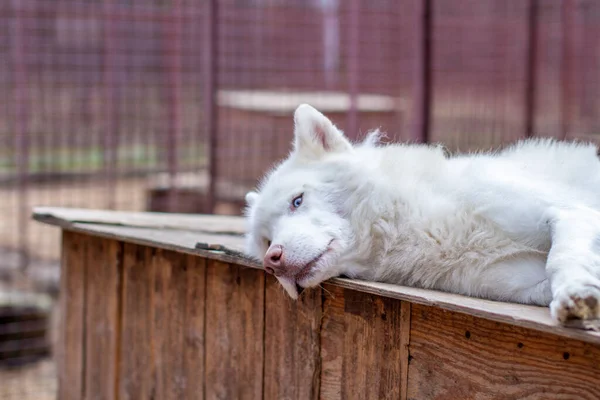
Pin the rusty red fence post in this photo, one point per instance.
(353, 68)
(21, 133)
(110, 140)
(419, 130)
(571, 41)
(531, 67)
(209, 44)
(175, 126)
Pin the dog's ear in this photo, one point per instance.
(315, 135)
(251, 198)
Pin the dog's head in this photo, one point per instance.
(297, 221)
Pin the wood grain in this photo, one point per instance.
(102, 317)
(189, 222)
(169, 306)
(137, 350)
(457, 356)
(360, 330)
(194, 329)
(405, 312)
(532, 317)
(292, 339)
(70, 351)
(234, 332)
(162, 352)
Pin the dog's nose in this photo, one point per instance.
(273, 259)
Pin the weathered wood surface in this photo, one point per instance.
(234, 332)
(143, 322)
(70, 356)
(532, 317)
(102, 316)
(137, 359)
(361, 346)
(292, 341)
(189, 222)
(459, 356)
(162, 344)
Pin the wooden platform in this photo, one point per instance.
(149, 313)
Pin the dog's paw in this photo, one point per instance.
(576, 300)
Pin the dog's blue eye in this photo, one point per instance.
(297, 201)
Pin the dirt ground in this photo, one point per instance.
(31, 382)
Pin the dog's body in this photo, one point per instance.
(519, 225)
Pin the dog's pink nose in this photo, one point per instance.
(273, 259)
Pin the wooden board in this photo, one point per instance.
(457, 356)
(234, 332)
(162, 352)
(70, 348)
(189, 222)
(292, 340)
(361, 330)
(102, 317)
(532, 317)
(137, 357)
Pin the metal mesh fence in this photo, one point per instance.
(180, 105)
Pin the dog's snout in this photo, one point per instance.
(273, 260)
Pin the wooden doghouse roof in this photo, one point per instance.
(221, 238)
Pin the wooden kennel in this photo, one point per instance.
(158, 306)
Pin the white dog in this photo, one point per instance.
(520, 225)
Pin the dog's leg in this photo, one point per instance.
(574, 263)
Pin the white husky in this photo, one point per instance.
(520, 225)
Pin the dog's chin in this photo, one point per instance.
(320, 270)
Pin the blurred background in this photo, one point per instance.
(180, 105)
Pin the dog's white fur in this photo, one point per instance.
(520, 225)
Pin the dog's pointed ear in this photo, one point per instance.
(315, 135)
(251, 198)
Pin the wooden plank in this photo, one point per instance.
(102, 317)
(170, 296)
(224, 248)
(360, 329)
(175, 239)
(188, 222)
(234, 332)
(162, 348)
(195, 327)
(405, 311)
(70, 348)
(137, 350)
(292, 339)
(459, 356)
(182, 241)
(532, 317)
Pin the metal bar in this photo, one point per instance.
(353, 68)
(569, 67)
(331, 41)
(531, 66)
(109, 142)
(419, 131)
(21, 143)
(210, 97)
(174, 99)
(39, 9)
